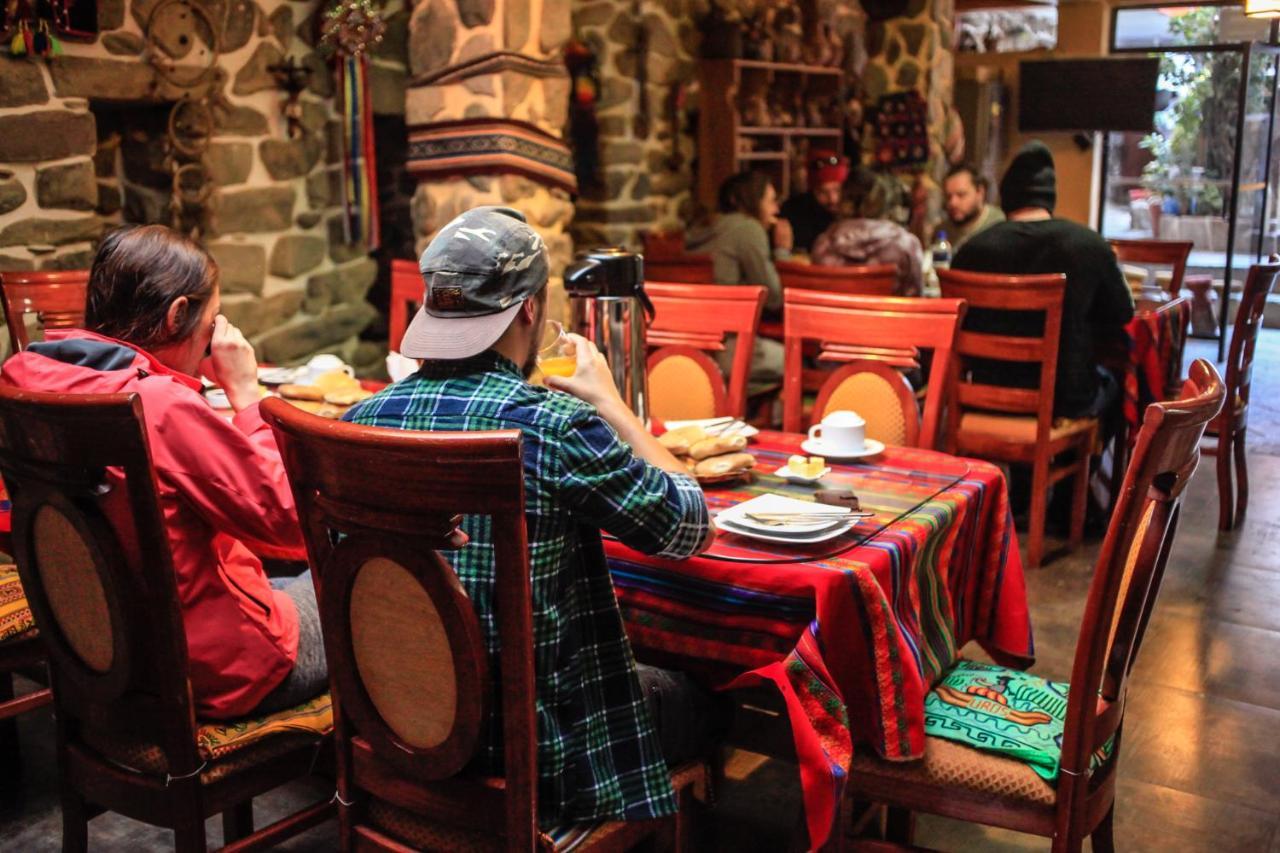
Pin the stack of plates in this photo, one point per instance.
(826, 522)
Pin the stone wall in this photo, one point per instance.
(288, 278)
(659, 194)
(476, 59)
(915, 52)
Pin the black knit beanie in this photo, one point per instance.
(1030, 180)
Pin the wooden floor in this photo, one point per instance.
(1200, 767)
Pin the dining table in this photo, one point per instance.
(852, 632)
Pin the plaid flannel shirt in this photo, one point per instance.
(598, 754)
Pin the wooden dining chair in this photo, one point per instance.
(876, 280)
(877, 392)
(688, 268)
(56, 298)
(407, 291)
(1226, 435)
(834, 319)
(106, 604)
(21, 653)
(407, 658)
(1165, 253)
(662, 244)
(960, 782)
(710, 319)
(1017, 425)
(685, 384)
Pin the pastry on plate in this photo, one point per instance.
(728, 463)
(347, 396)
(302, 392)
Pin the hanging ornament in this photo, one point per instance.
(350, 29)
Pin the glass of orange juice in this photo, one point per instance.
(557, 356)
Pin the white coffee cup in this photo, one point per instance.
(841, 432)
(324, 363)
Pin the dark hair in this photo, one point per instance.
(743, 193)
(979, 180)
(137, 274)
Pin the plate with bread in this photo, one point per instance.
(328, 396)
(709, 457)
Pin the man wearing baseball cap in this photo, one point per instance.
(605, 725)
(812, 212)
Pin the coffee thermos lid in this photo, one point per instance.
(608, 271)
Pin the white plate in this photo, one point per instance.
(736, 515)
(278, 375)
(870, 447)
(718, 426)
(787, 474)
(217, 398)
(730, 526)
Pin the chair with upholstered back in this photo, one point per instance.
(876, 280)
(877, 392)
(21, 651)
(958, 781)
(407, 292)
(834, 319)
(407, 657)
(1161, 253)
(1006, 424)
(710, 319)
(56, 298)
(665, 259)
(685, 384)
(95, 563)
(1230, 427)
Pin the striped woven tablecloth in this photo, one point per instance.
(853, 642)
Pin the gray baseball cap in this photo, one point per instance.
(478, 271)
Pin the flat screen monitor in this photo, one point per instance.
(1087, 94)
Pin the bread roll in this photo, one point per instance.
(347, 397)
(717, 445)
(678, 441)
(302, 392)
(729, 463)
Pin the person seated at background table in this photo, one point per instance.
(812, 211)
(964, 193)
(151, 315)
(1097, 303)
(605, 724)
(737, 239)
(870, 236)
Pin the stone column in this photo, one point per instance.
(485, 108)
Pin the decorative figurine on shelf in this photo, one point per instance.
(350, 28)
(29, 28)
(788, 35)
(584, 127)
(292, 78)
(755, 111)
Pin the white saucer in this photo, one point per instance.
(870, 447)
(786, 473)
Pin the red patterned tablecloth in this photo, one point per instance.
(853, 642)
(1157, 335)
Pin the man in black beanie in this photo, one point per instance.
(1097, 303)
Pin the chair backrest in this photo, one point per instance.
(877, 280)
(1127, 577)
(685, 384)
(407, 292)
(56, 298)
(877, 392)
(872, 321)
(95, 563)
(1170, 253)
(1260, 281)
(702, 317)
(1038, 293)
(684, 269)
(662, 244)
(407, 663)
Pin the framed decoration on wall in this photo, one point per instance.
(902, 136)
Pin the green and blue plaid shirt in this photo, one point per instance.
(598, 754)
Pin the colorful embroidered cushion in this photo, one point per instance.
(1005, 711)
(15, 614)
(215, 740)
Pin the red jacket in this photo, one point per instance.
(221, 484)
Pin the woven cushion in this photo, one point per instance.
(876, 401)
(951, 765)
(1020, 429)
(226, 746)
(15, 614)
(420, 832)
(679, 389)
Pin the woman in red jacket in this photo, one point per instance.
(152, 315)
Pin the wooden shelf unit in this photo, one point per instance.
(720, 129)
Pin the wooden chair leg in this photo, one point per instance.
(75, 822)
(899, 825)
(1079, 498)
(1035, 518)
(1226, 494)
(10, 753)
(1119, 462)
(1102, 839)
(237, 822)
(1242, 476)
